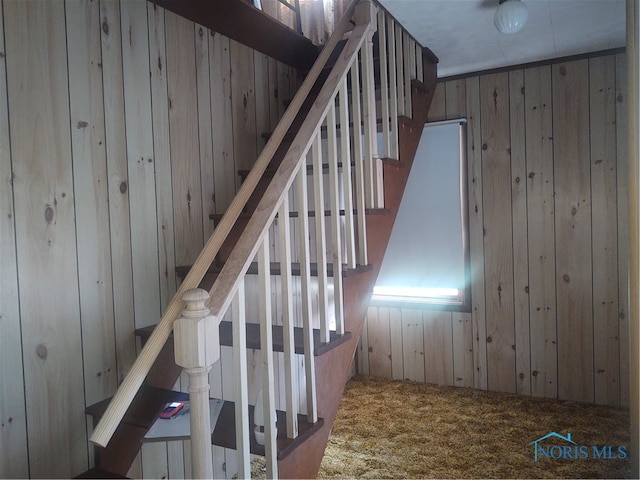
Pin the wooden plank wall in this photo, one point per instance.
(548, 237)
(121, 129)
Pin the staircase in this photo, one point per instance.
(317, 206)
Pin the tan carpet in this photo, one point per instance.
(387, 429)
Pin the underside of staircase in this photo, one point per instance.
(299, 458)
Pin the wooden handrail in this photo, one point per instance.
(133, 381)
(237, 264)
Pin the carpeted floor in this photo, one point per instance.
(387, 429)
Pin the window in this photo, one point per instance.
(427, 259)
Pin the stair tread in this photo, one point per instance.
(216, 268)
(97, 472)
(145, 407)
(369, 211)
(253, 338)
(224, 433)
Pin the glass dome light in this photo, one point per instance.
(511, 16)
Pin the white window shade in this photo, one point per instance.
(427, 245)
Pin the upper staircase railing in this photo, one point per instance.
(343, 120)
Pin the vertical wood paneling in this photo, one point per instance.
(622, 132)
(520, 242)
(183, 135)
(476, 232)
(142, 188)
(118, 182)
(162, 152)
(498, 240)
(243, 104)
(39, 116)
(205, 134)
(462, 349)
(530, 308)
(14, 462)
(412, 344)
(455, 101)
(604, 222)
(139, 141)
(397, 353)
(379, 334)
(224, 171)
(437, 109)
(91, 199)
(438, 347)
(573, 230)
(540, 223)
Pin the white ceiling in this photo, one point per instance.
(461, 32)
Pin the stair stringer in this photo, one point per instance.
(332, 369)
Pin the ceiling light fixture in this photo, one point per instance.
(510, 16)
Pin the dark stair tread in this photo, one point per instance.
(216, 268)
(224, 433)
(253, 338)
(145, 407)
(97, 472)
(216, 217)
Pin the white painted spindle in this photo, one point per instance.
(336, 244)
(359, 164)
(305, 293)
(384, 84)
(406, 54)
(290, 372)
(266, 347)
(400, 70)
(347, 187)
(321, 243)
(239, 333)
(393, 90)
(369, 118)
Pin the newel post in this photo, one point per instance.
(197, 348)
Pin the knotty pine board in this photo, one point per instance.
(573, 231)
(243, 105)
(91, 200)
(162, 152)
(623, 222)
(462, 349)
(438, 347)
(139, 140)
(183, 134)
(379, 342)
(38, 89)
(498, 233)
(118, 183)
(205, 132)
(395, 324)
(141, 188)
(520, 241)
(455, 99)
(476, 232)
(437, 109)
(602, 105)
(224, 169)
(412, 344)
(13, 434)
(540, 226)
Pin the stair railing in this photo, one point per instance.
(352, 135)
